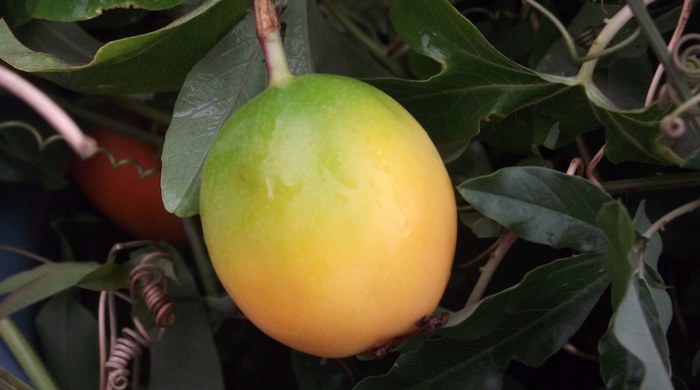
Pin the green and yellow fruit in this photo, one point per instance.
(329, 216)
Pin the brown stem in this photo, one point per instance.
(490, 268)
(267, 25)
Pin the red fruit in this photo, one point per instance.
(132, 203)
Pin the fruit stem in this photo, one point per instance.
(267, 25)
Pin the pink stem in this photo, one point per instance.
(677, 33)
(83, 145)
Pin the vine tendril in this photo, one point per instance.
(116, 164)
(44, 142)
(571, 41)
(41, 142)
(148, 283)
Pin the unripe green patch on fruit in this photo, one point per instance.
(329, 215)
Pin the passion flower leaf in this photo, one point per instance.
(227, 77)
(69, 10)
(652, 252)
(150, 62)
(528, 323)
(635, 135)
(68, 329)
(540, 205)
(520, 108)
(38, 283)
(551, 123)
(477, 81)
(635, 351)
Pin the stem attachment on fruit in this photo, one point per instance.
(267, 25)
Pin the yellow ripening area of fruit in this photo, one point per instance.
(328, 215)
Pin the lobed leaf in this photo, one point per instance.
(520, 108)
(528, 323)
(635, 135)
(540, 205)
(477, 81)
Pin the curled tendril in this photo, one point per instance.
(147, 282)
(41, 142)
(124, 351)
(586, 37)
(116, 164)
(687, 58)
(44, 142)
(571, 41)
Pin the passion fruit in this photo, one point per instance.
(328, 214)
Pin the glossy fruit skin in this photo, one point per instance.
(329, 215)
(132, 203)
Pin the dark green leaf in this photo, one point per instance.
(540, 205)
(69, 337)
(481, 226)
(477, 82)
(635, 135)
(230, 75)
(618, 228)
(635, 336)
(334, 52)
(651, 252)
(528, 323)
(28, 287)
(618, 368)
(69, 10)
(315, 373)
(653, 248)
(636, 329)
(552, 123)
(186, 357)
(155, 61)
